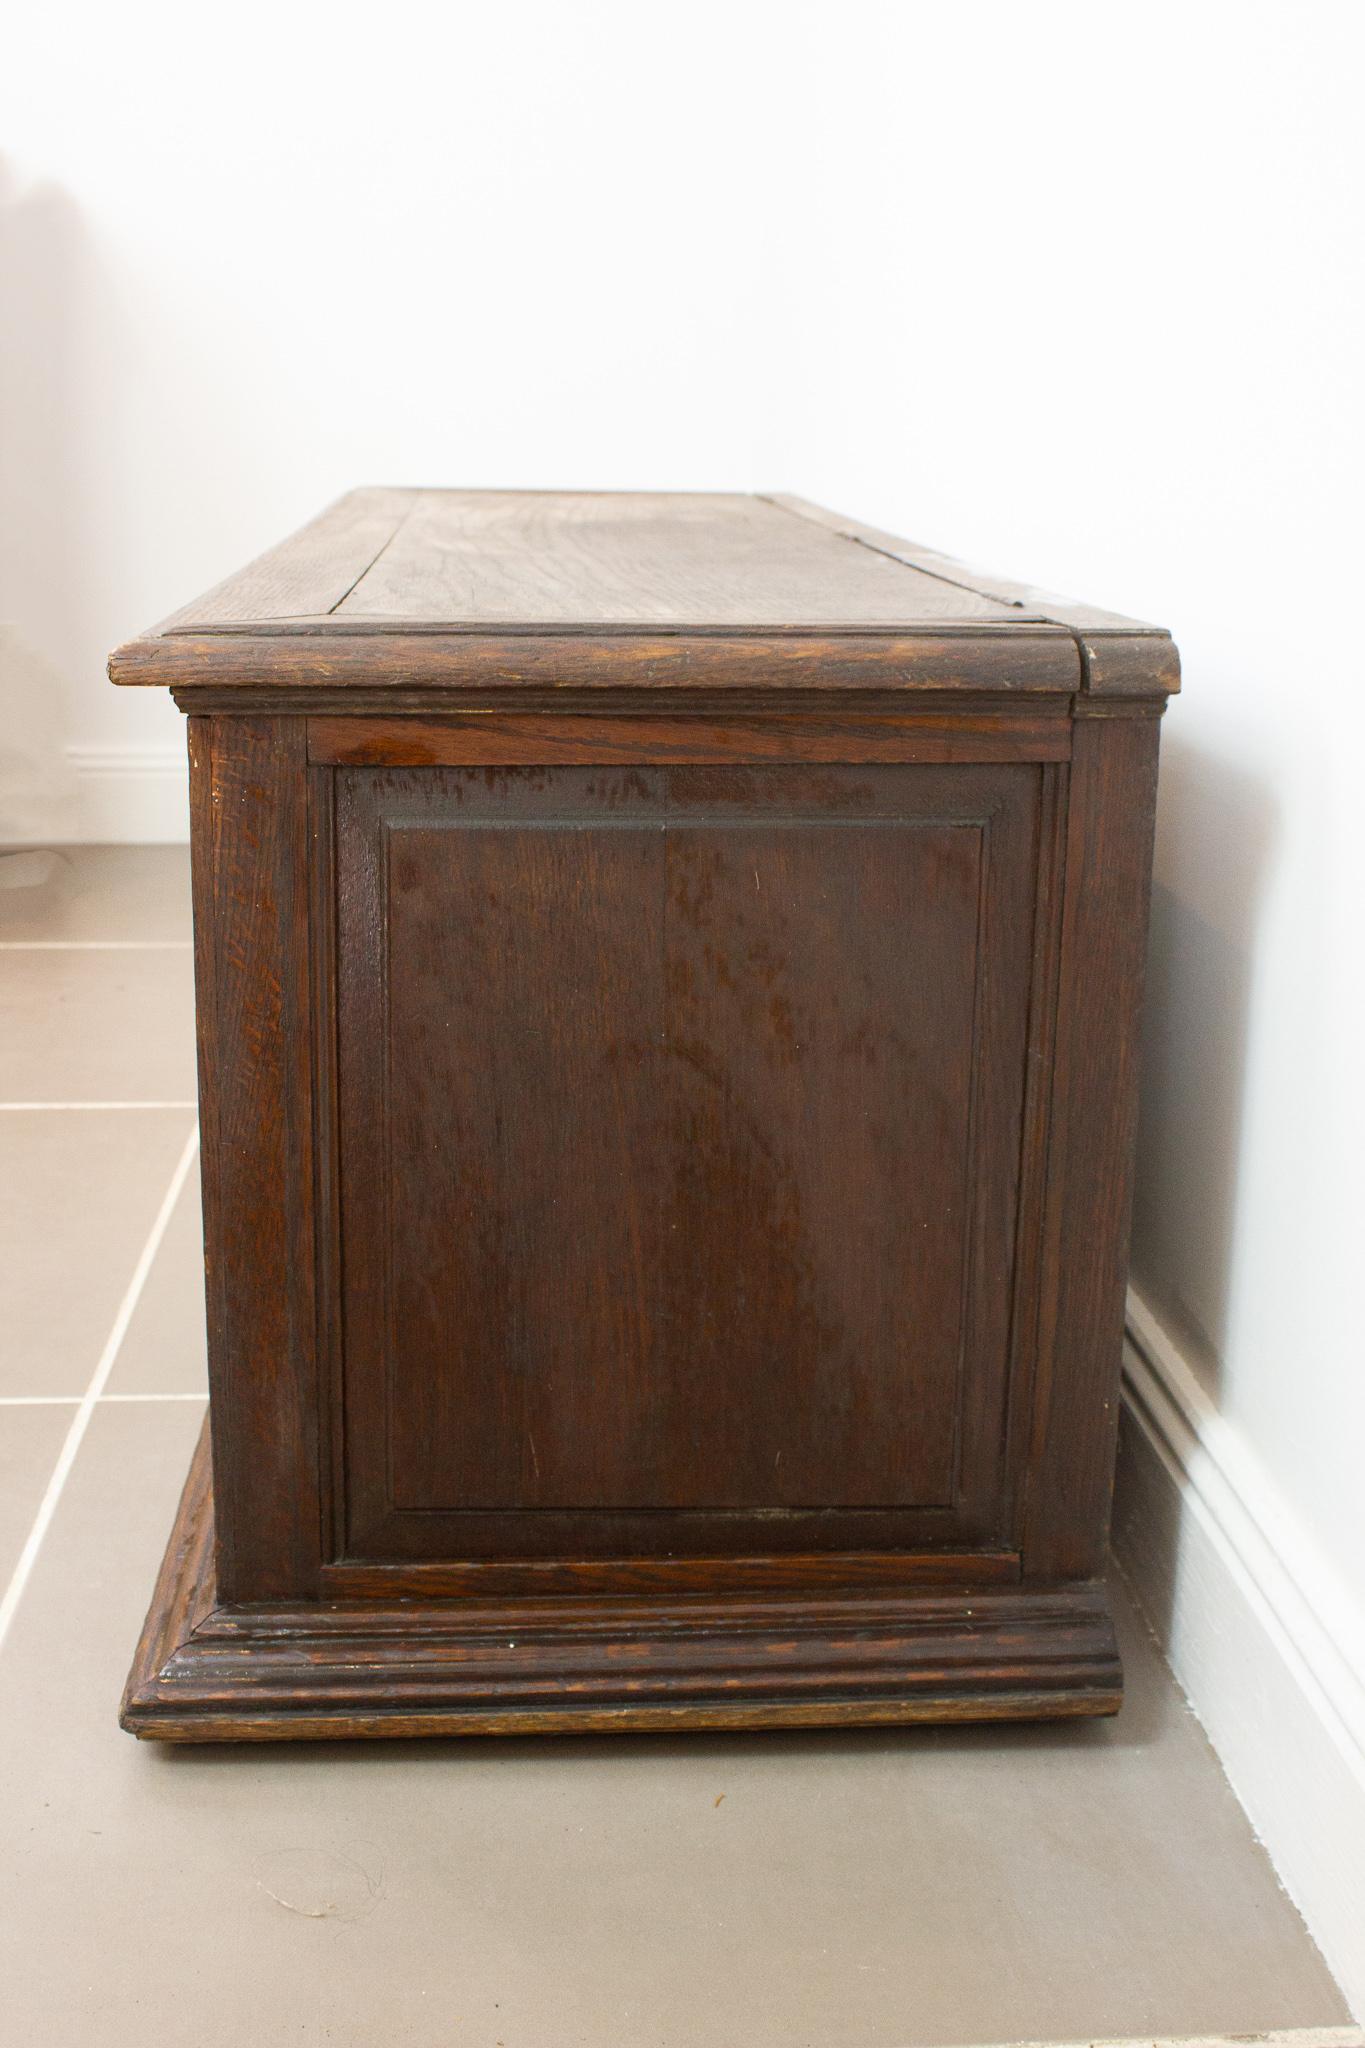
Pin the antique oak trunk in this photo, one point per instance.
(668, 972)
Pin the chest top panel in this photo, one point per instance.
(641, 575)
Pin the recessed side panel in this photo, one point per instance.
(818, 1058)
(663, 1098)
(527, 1125)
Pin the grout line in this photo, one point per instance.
(95, 945)
(74, 1400)
(80, 1421)
(98, 1105)
(155, 1397)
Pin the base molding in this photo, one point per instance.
(856, 1656)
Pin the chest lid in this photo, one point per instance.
(500, 591)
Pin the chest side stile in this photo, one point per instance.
(1095, 1066)
(250, 851)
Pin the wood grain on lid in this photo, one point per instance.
(634, 578)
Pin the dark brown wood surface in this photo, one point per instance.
(249, 827)
(326, 666)
(683, 1084)
(593, 558)
(836, 1658)
(677, 590)
(1118, 654)
(555, 558)
(309, 574)
(668, 1001)
(537, 739)
(1111, 819)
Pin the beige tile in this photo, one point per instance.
(30, 1439)
(97, 1026)
(887, 1888)
(79, 1191)
(117, 893)
(163, 1351)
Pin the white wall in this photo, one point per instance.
(1069, 289)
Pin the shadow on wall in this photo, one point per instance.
(40, 538)
(1215, 835)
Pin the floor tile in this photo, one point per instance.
(111, 893)
(864, 1890)
(97, 1026)
(79, 1192)
(30, 1439)
(164, 1349)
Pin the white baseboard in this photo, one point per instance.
(1288, 2037)
(130, 795)
(1265, 1639)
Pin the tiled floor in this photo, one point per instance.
(955, 1885)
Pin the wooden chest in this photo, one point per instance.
(668, 972)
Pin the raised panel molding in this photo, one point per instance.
(706, 1061)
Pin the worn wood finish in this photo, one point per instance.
(249, 830)
(1118, 655)
(556, 558)
(569, 1664)
(684, 1161)
(973, 712)
(506, 740)
(312, 573)
(446, 661)
(1108, 864)
(522, 588)
(668, 977)
(841, 1570)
